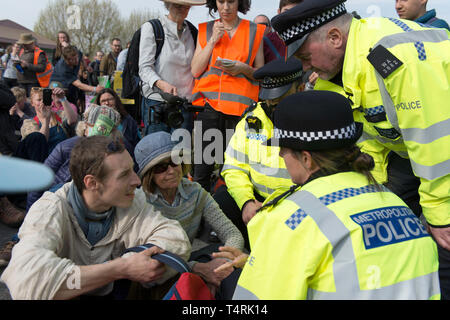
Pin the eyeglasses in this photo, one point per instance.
(162, 167)
(265, 23)
(107, 100)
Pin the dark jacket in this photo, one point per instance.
(29, 113)
(129, 130)
(429, 18)
(108, 65)
(29, 75)
(8, 139)
(93, 76)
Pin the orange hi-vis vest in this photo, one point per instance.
(229, 94)
(42, 77)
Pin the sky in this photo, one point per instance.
(26, 12)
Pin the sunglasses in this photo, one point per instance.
(162, 167)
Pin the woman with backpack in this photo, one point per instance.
(170, 69)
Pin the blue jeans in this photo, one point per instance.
(149, 122)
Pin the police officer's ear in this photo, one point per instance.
(336, 38)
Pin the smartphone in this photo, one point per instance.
(225, 62)
(47, 97)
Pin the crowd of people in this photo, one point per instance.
(328, 135)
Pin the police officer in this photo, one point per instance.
(252, 171)
(337, 234)
(397, 75)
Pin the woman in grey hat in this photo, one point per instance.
(162, 165)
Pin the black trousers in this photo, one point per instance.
(403, 182)
(207, 120)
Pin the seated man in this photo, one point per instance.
(71, 241)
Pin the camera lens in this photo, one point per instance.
(175, 119)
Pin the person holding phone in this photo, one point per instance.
(225, 87)
(41, 134)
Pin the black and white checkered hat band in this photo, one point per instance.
(311, 24)
(338, 134)
(275, 82)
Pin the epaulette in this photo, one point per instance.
(249, 109)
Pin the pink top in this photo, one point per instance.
(61, 107)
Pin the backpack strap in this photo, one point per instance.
(172, 260)
(194, 31)
(159, 35)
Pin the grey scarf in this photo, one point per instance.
(94, 225)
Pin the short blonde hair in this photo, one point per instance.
(19, 93)
(36, 91)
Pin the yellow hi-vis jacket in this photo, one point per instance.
(367, 143)
(404, 94)
(250, 166)
(339, 238)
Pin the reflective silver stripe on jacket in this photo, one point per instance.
(421, 136)
(240, 293)
(253, 30)
(344, 267)
(45, 73)
(261, 188)
(281, 173)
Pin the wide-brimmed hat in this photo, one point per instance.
(313, 121)
(26, 38)
(156, 147)
(187, 2)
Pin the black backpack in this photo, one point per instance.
(130, 76)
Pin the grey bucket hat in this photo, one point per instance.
(155, 148)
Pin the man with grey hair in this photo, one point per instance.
(388, 69)
(274, 47)
(416, 10)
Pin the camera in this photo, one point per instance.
(170, 112)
